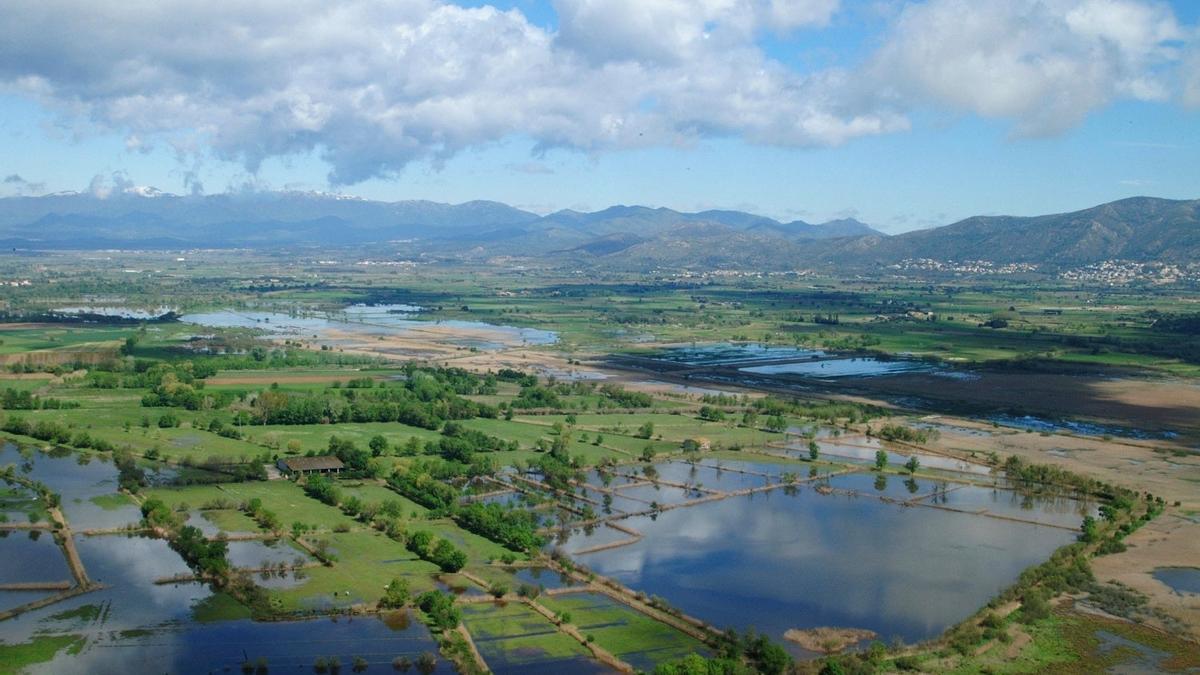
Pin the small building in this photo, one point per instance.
(307, 465)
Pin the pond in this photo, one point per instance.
(862, 451)
(777, 561)
(1182, 580)
(115, 312)
(254, 554)
(286, 646)
(31, 556)
(1049, 425)
(360, 320)
(86, 482)
(135, 623)
(851, 367)
(542, 577)
(728, 353)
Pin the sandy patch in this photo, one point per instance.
(1170, 540)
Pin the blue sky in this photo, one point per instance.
(902, 114)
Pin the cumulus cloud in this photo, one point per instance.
(1044, 63)
(105, 185)
(371, 86)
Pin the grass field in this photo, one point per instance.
(366, 562)
(513, 635)
(628, 634)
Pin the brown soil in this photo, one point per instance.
(1138, 403)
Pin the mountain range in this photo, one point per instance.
(619, 237)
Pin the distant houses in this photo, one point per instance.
(307, 465)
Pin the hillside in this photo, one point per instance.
(1138, 229)
(619, 237)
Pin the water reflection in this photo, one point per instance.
(776, 561)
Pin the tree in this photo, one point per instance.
(646, 430)
(378, 445)
(912, 464)
(814, 450)
(776, 423)
(396, 595)
(881, 460)
(1090, 530)
(440, 609)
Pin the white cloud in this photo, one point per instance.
(372, 86)
(1191, 78)
(1044, 63)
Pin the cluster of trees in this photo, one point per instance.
(536, 396)
(419, 485)
(444, 554)
(130, 476)
(1036, 475)
(516, 529)
(1187, 324)
(737, 654)
(459, 444)
(440, 610)
(43, 430)
(422, 401)
(899, 432)
(356, 460)
(14, 399)
(322, 489)
(395, 595)
(266, 519)
(201, 554)
(204, 556)
(831, 411)
(625, 398)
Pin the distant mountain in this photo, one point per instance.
(798, 229)
(133, 219)
(144, 217)
(618, 237)
(1138, 229)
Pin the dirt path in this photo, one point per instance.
(38, 586)
(475, 655)
(47, 601)
(67, 541)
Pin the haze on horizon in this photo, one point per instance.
(902, 114)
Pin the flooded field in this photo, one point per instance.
(1050, 425)
(852, 367)
(135, 619)
(906, 572)
(728, 353)
(372, 320)
(862, 451)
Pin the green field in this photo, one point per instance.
(626, 633)
(513, 634)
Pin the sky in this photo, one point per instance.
(903, 114)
